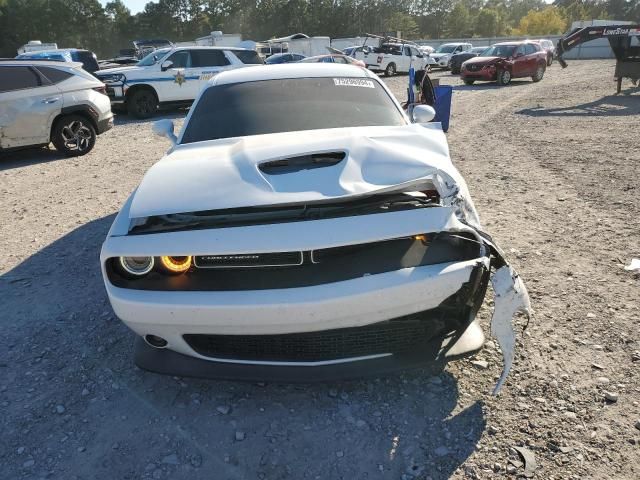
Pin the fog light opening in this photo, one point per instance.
(155, 341)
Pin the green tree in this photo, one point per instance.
(491, 22)
(459, 22)
(549, 21)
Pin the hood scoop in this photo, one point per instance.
(301, 162)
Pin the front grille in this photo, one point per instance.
(401, 335)
(474, 67)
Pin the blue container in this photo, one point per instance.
(443, 96)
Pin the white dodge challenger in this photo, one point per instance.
(303, 227)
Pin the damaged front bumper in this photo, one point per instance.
(425, 314)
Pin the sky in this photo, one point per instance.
(134, 5)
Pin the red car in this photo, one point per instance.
(503, 61)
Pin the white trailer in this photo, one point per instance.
(35, 46)
(219, 39)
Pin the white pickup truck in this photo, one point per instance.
(392, 58)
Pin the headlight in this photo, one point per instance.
(112, 78)
(136, 266)
(176, 264)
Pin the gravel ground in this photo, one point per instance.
(553, 168)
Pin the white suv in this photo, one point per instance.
(48, 101)
(170, 76)
(442, 55)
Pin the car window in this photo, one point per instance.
(249, 57)
(180, 59)
(55, 75)
(153, 57)
(407, 51)
(18, 78)
(529, 49)
(415, 52)
(208, 58)
(289, 105)
(340, 60)
(88, 59)
(296, 57)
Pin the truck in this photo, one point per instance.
(391, 56)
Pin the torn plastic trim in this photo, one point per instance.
(510, 297)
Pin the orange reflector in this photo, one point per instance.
(422, 238)
(176, 264)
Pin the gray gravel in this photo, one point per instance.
(553, 170)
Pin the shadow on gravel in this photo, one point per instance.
(70, 389)
(29, 156)
(493, 85)
(609, 106)
(122, 118)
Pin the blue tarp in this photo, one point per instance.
(443, 96)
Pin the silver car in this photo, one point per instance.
(48, 101)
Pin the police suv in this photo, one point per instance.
(170, 76)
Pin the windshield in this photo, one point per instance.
(446, 48)
(153, 58)
(289, 105)
(503, 51)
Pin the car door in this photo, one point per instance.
(532, 58)
(520, 62)
(207, 63)
(179, 82)
(28, 105)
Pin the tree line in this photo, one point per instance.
(105, 30)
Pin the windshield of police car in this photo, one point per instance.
(153, 58)
(289, 105)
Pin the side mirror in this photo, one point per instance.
(423, 114)
(164, 128)
(166, 65)
(366, 50)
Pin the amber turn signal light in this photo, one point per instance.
(176, 264)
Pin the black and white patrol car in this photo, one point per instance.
(170, 76)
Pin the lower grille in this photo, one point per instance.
(397, 336)
(474, 68)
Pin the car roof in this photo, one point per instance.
(521, 42)
(40, 63)
(201, 47)
(290, 70)
(456, 43)
(55, 50)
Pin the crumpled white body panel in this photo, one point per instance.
(223, 174)
(511, 297)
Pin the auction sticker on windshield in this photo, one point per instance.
(353, 82)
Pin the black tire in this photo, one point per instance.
(549, 60)
(503, 77)
(390, 71)
(455, 70)
(468, 82)
(73, 135)
(142, 103)
(539, 73)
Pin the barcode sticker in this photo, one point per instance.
(353, 82)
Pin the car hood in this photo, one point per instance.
(226, 173)
(111, 71)
(439, 55)
(483, 60)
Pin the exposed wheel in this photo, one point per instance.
(549, 60)
(390, 71)
(539, 74)
(142, 103)
(468, 82)
(503, 77)
(73, 135)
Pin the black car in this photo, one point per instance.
(459, 58)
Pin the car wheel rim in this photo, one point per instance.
(76, 136)
(539, 73)
(506, 76)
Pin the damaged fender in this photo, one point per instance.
(511, 297)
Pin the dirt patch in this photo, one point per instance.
(553, 169)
